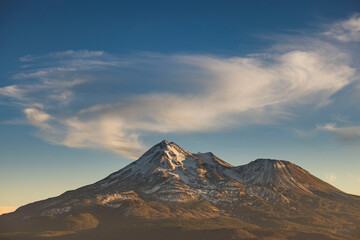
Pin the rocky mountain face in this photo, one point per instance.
(172, 187)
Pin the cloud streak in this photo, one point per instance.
(37, 116)
(348, 133)
(70, 54)
(91, 99)
(346, 31)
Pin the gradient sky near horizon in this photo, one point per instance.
(87, 86)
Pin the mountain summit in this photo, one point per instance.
(262, 193)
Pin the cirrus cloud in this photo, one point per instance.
(92, 99)
(344, 133)
(347, 30)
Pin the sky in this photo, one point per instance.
(86, 87)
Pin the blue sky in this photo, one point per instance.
(87, 86)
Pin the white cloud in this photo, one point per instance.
(55, 90)
(81, 54)
(346, 31)
(102, 132)
(12, 91)
(344, 133)
(76, 54)
(27, 58)
(46, 72)
(37, 117)
(232, 91)
(86, 98)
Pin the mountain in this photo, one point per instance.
(169, 191)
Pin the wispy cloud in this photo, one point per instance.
(344, 133)
(91, 99)
(70, 54)
(347, 30)
(37, 116)
(12, 91)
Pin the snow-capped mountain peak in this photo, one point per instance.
(166, 172)
(170, 182)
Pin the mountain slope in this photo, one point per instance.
(170, 183)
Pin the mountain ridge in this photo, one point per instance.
(166, 163)
(168, 182)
